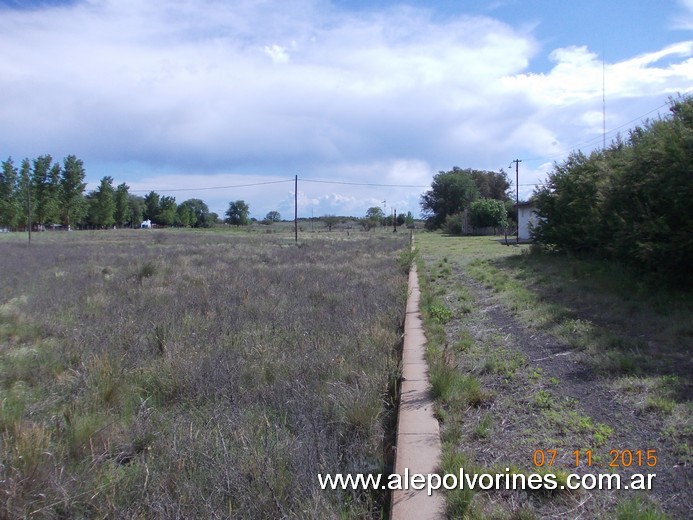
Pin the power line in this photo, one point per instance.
(248, 185)
(219, 187)
(366, 184)
(598, 138)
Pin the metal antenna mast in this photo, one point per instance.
(603, 101)
(517, 194)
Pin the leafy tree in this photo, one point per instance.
(488, 213)
(10, 205)
(72, 204)
(122, 209)
(54, 194)
(273, 216)
(198, 213)
(166, 215)
(24, 193)
(90, 218)
(330, 221)
(375, 213)
(409, 219)
(491, 185)
(451, 192)
(185, 216)
(45, 179)
(135, 210)
(374, 217)
(568, 200)
(103, 204)
(646, 209)
(511, 212)
(368, 223)
(151, 205)
(237, 214)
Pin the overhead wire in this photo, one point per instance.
(598, 138)
(365, 184)
(319, 181)
(218, 187)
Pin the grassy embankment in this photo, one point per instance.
(196, 375)
(535, 352)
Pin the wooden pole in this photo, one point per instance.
(28, 206)
(296, 209)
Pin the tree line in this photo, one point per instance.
(630, 202)
(48, 193)
(52, 194)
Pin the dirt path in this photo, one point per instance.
(591, 394)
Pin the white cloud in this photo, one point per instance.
(178, 81)
(579, 76)
(277, 53)
(273, 89)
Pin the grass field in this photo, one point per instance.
(172, 374)
(533, 355)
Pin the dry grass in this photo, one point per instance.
(196, 375)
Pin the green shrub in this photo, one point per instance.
(450, 385)
(628, 203)
(440, 313)
(453, 224)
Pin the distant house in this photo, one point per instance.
(147, 224)
(526, 214)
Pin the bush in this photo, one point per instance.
(453, 224)
(629, 203)
(488, 213)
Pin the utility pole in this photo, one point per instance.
(296, 209)
(517, 195)
(28, 206)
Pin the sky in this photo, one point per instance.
(365, 101)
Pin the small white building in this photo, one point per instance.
(147, 224)
(526, 215)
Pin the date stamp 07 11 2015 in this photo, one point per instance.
(617, 458)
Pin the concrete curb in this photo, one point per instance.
(418, 436)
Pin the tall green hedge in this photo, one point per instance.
(632, 203)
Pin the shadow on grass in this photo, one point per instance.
(637, 324)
